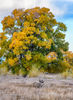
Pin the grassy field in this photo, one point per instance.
(43, 87)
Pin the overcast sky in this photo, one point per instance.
(8, 5)
(62, 9)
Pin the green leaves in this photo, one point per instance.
(62, 26)
(60, 35)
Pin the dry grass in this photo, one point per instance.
(67, 74)
(34, 72)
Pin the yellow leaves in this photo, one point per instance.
(34, 28)
(50, 14)
(12, 61)
(36, 8)
(35, 20)
(69, 54)
(37, 31)
(35, 39)
(17, 46)
(67, 64)
(2, 36)
(53, 21)
(50, 60)
(40, 44)
(29, 18)
(43, 19)
(43, 35)
(48, 46)
(26, 24)
(8, 22)
(25, 47)
(15, 35)
(27, 11)
(44, 10)
(68, 57)
(14, 43)
(44, 28)
(28, 57)
(51, 56)
(31, 37)
(50, 41)
(17, 13)
(33, 13)
(32, 24)
(29, 30)
(36, 12)
(19, 23)
(45, 43)
(19, 35)
(18, 42)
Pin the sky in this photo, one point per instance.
(62, 9)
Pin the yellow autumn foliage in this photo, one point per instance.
(12, 61)
(34, 38)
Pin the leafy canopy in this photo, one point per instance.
(32, 36)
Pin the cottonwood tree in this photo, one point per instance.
(32, 36)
